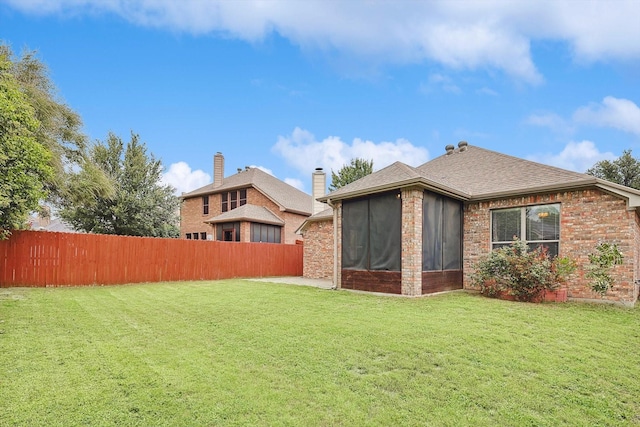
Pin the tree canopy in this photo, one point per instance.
(140, 205)
(59, 127)
(357, 169)
(24, 162)
(624, 170)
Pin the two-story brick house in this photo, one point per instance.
(418, 230)
(249, 206)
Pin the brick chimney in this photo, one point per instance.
(318, 189)
(218, 169)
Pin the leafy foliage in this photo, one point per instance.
(624, 170)
(140, 206)
(23, 161)
(59, 130)
(606, 256)
(517, 271)
(357, 169)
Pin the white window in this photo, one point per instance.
(535, 225)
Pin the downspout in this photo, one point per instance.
(335, 244)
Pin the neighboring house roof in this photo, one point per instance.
(287, 197)
(324, 215)
(251, 213)
(55, 224)
(474, 173)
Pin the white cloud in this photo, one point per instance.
(442, 82)
(295, 183)
(617, 113)
(263, 169)
(576, 156)
(552, 121)
(493, 34)
(487, 91)
(183, 179)
(302, 151)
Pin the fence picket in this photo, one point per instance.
(39, 258)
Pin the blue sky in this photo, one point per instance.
(293, 85)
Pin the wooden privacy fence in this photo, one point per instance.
(38, 258)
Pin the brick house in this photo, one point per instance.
(249, 206)
(415, 231)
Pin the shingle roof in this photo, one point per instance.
(287, 197)
(482, 173)
(250, 213)
(479, 174)
(324, 215)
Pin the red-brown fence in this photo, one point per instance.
(38, 258)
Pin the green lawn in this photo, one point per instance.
(243, 353)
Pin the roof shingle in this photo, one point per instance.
(286, 196)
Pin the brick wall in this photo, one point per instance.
(318, 250)
(412, 241)
(191, 217)
(587, 217)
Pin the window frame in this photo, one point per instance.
(231, 200)
(265, 233)
(205, 205)
(225, 202)
(523, 227)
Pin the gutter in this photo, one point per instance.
(422, 182)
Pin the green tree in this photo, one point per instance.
(59, 130)
(624, 170)
(140, 206)
(24, 163)
(357, 169)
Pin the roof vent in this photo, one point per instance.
(449, 148)
(462, 146)
(239, 170)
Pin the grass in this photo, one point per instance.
(237, 353)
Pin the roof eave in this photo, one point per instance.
(243, 218)
(531, 190)
(630, 194)
(420, 182)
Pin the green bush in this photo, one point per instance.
(517, 271)
(606, 256)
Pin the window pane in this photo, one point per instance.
(243, 197)
(278, 235)
(505, 225)
(543, 222)
(385, 232)
(205, 205)
(225, 204)
(203, 236)
(431, 232)
(236, 230)
(264, 233)
(452, 235)
(552, 247)
(188, 236)
(255, 232)
(234, 199)
(355, 234)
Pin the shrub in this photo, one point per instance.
(606, 256)
(517, 271)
